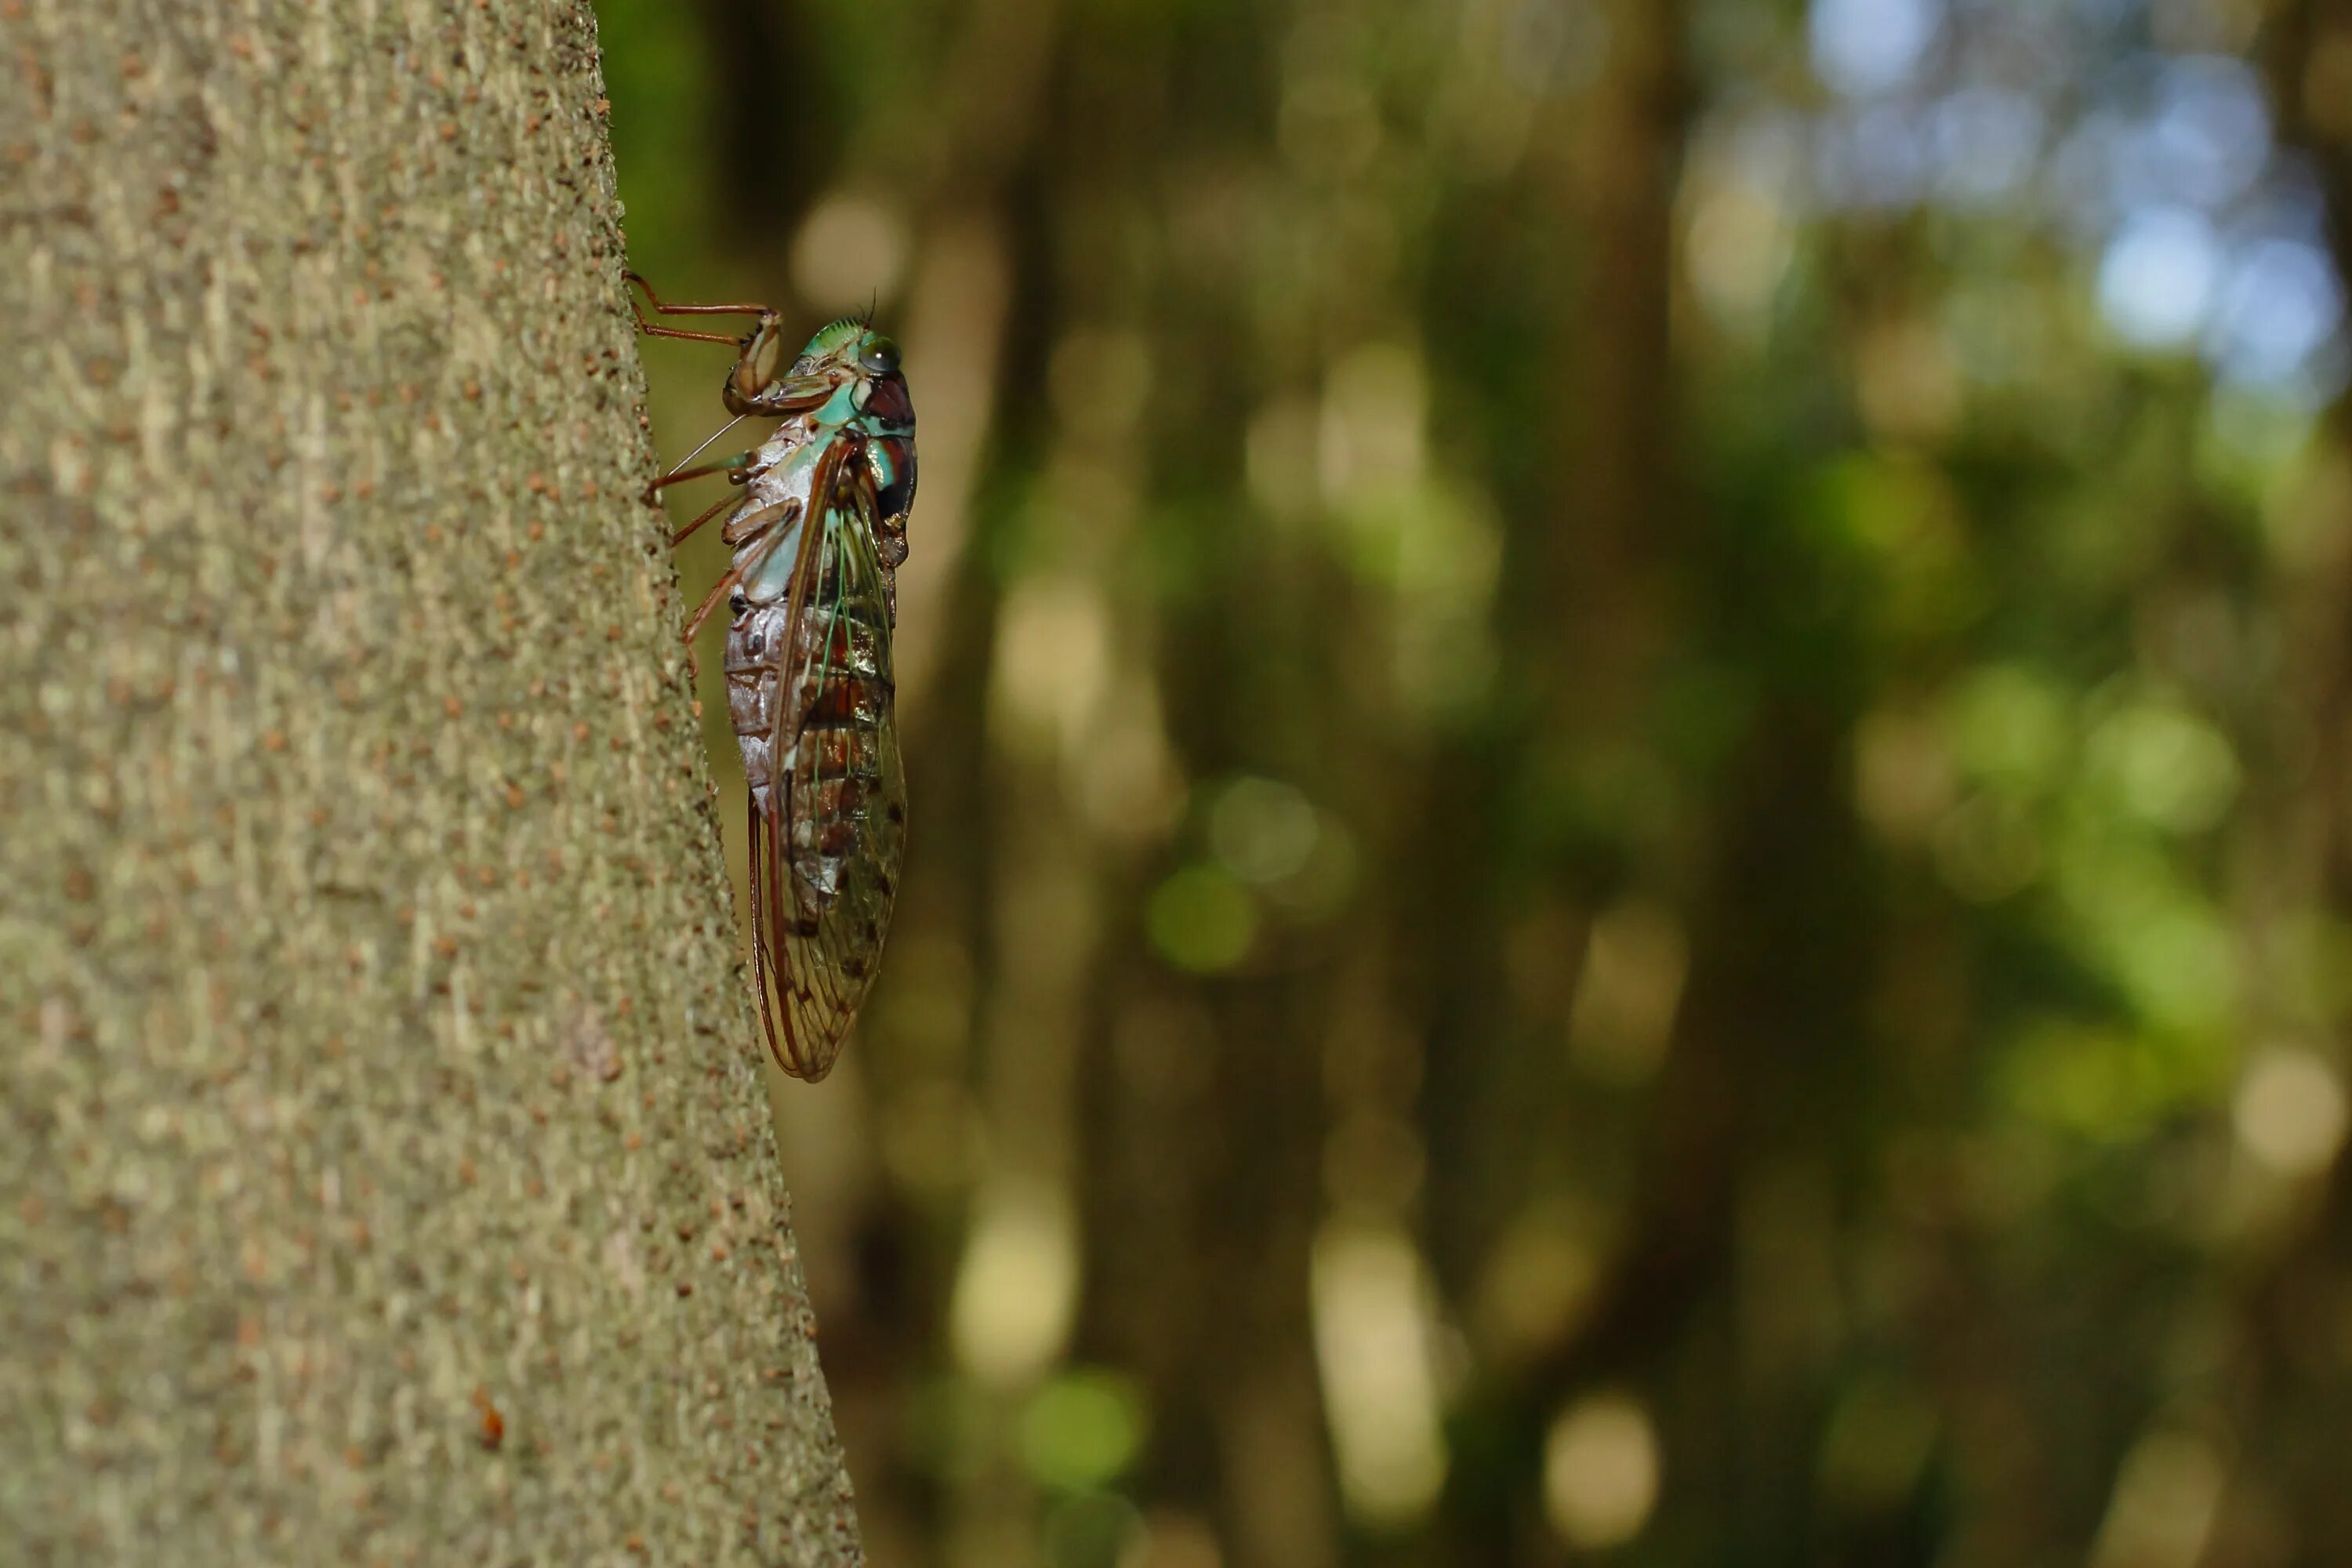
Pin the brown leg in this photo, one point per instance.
(679, 476)
(717, 596)
(715, 508)
(666, 308)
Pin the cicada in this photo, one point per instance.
(818, 531)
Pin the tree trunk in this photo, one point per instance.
(386, 1172)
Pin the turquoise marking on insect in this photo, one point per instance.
(817, 532)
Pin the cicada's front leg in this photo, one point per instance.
(667, 309)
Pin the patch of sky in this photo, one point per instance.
(2205, 235)
(1982, 143)
(2203, 140)
(2259, 299)
(2158, 280)
(2290, 202)
(1862, 49)
(2079, 185)
(2278, 320)
(2102, 15)
(1765, 143)
(2026, 46)
(2184, 133)
(1873, 158)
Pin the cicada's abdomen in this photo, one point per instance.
(755, 643)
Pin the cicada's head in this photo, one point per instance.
(850, 352)
(850, 372)
(853, 383)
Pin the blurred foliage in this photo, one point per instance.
(1630, 725)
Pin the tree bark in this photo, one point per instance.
(384, 1171)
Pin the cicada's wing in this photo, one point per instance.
(826, 849)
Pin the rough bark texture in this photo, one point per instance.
(384, 1170)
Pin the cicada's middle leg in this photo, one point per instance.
(732, 466)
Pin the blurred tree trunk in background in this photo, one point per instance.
(2294, 1394)
(1599, 598)
(386, 1172)
(1617, 158)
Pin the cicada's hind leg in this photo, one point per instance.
(756, 526)
(746, 528)
(713, 510)
(711, 600)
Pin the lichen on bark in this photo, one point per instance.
(385, 1172)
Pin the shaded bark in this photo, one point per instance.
(387, 1173)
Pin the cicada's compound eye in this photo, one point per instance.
(880, 357)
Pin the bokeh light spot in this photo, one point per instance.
(2157, 280)
(1093, 1529)
(1375, 408)
(1628, 994)
(2282, 306)
(1601, 1471)
(1017, 1287)
(1373, 1344)
(850, 248)
(1053, 660)
(1202, 919)
(1984, 142)
(2290, 1111)
(2163, 766)
(1538, 1281)
(1262, 830)
(1083, 1429)
(1172, 1539)
(2012, 728)
(1863, 46)
(2165, 1497)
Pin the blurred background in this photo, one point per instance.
(1630, 725)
